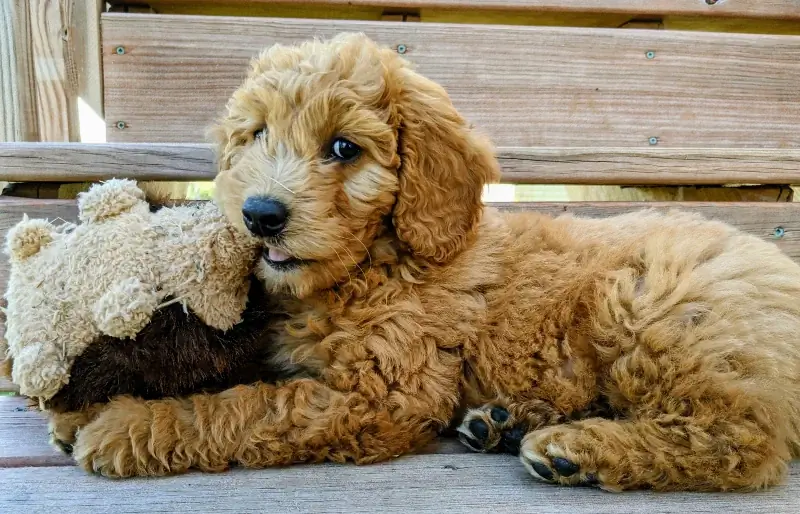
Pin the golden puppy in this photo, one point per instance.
(643, 351)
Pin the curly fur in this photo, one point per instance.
(643, 351)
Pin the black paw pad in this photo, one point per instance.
(479, 429)
(542, 470)
(511, 439)
(499, 415)
(564, 467)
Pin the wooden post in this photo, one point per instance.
(18, 118)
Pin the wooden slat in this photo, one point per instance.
(18, 100)
(6, 386)
(56, 73)
(55, 162)
(66, 162)
(419, 484)
(24, 437)
(525, 86)
(786, 9)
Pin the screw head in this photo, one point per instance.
(650, 54)
(653, 140)
(120, 50)
(401, 49)
(778, 233)
(121, 125)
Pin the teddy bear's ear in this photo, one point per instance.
(108, 199)
(27, 237)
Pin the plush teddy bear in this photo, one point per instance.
(95, 287)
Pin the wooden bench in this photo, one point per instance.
(702, 101)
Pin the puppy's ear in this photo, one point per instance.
(444, 166)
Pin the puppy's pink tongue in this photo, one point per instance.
(276, 255)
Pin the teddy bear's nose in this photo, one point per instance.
(264, 216)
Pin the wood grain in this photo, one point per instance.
(79, 162)
(421, 484)
(75, 162)
(547, 87)
(24, 437)
(741, 8)
(17, 80)
(6, 386)
(56, 75)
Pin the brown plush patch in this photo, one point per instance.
(176, 354)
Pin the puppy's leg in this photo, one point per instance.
(262, 425)
(665, 453)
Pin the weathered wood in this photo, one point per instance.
(422, 483)
(649, 166)
(17, 81)
(24, 437)
(6, 386)
(56, 77)
(83, 33)
(740, 8)
(525, 86)
(73, 162)
(91, 162)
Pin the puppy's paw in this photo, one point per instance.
(559, 455)
(491, 428)
(63, 428)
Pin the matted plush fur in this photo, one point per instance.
(642, 351)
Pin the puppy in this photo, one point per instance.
(642, 351)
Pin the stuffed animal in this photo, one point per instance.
(98, 287)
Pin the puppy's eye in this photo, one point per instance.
(260, 133)
(344, 150)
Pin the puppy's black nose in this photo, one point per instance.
(264, 216)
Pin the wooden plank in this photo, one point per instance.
(645, 166)
(6, 386)
(24, 437)
(420, 484)
(85, 45)
(56, 78)
(741, 8)
(548, 87)
(74, 162)
(18, 102)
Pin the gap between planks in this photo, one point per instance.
(83, 162)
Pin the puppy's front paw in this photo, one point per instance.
(491, 428)
(118, 443)
(558, 455)
(63, 428)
